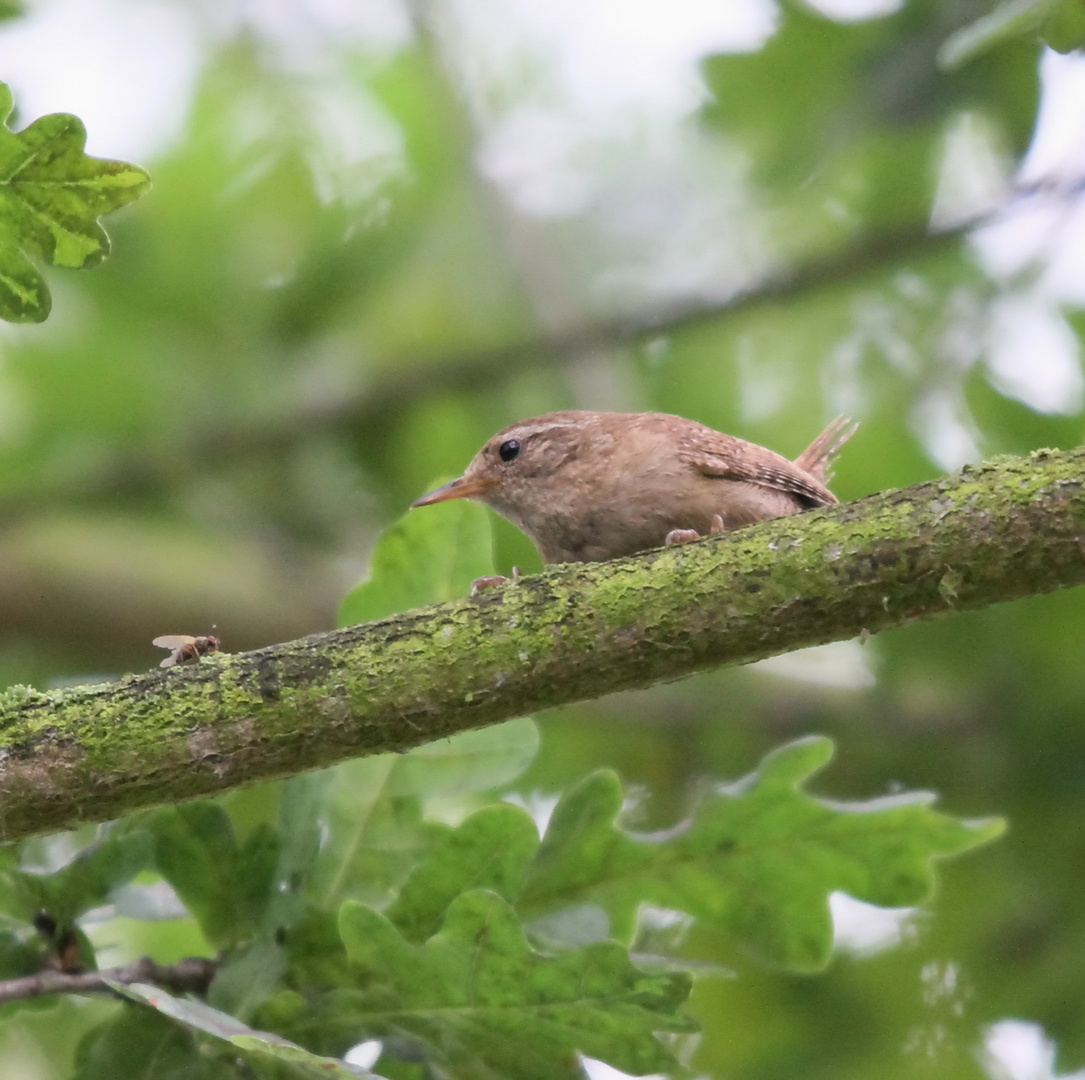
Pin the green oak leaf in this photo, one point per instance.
(51, 197)
(230, 1030)
(140, 1043)
(758, 860)
(1064, 27)
(490, 850)
(477, 999)
(226, 885)
(371, 810)
(424, 558)
(84, 883)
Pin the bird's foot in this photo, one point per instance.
(492, 580)
(681, 536)
(687, 536)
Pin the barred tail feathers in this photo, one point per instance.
(817, 458)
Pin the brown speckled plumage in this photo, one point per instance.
(587, 486)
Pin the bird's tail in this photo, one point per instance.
(819, 455)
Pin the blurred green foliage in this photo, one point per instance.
(1058, 23)
(298, 331)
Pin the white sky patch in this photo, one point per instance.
(1058, 148)
(1064, 274)
(1018, 1050)
(973, 175)
(538, 805)
(545, 161)
(353, 148)
(128, 68)
(125, 68)
(942, 422)
(309, 35)
(855, 10)
(365, 1054)
(865, 929)
(1020, 239)
(600, 1070)
(843, 664)
(1032, 355)
(651, 917)
(562, 91)
(614, 53)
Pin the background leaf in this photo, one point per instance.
(51, 197)
(373, 807)
(143, 1044)
(476, 995)
(757, 861)
(85, 882)
(226, 886)
(226, 1028)
(424, 558)
(490, 850)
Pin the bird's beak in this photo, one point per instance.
(456, 489)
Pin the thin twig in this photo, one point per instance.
(191, 975)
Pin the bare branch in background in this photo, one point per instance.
(415, 378)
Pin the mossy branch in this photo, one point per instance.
(1010, 528)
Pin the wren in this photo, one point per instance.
(587, 486)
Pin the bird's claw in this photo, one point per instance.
(681, 536)
(687, 536)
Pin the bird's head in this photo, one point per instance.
(520, 470)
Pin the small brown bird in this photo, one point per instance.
(587, 486)
(186, 649)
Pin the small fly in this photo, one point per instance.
(185, 649)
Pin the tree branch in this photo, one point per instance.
(193, 974)
(1006, 529)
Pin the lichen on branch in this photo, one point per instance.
(1009, 528)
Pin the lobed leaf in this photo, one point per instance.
(757, 861)
(83, 883)
(478, 1000)
(228, 1029)
(490, 850)
(372, 809)
(51, 197)
(424, 558)
(226, 887)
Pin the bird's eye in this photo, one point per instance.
(509, 450)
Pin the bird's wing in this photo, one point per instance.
(724, 456)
